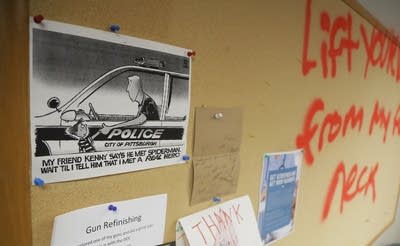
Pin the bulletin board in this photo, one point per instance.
(306, 74)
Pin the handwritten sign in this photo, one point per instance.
(230, 223)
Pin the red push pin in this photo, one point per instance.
(38, 19)
(191, 53)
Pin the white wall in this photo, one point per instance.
(385, 11)
(392, 234)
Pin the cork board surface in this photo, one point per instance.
(259, 56)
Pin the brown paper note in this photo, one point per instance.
(217, 136)
(216, 159)
(214, 176)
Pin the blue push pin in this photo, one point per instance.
(112, 208)
(216, 199)
(38, 182)
(114, 28)
(185, 157)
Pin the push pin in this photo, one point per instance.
(38, 19)
(112, 208)
(191, 53)
(185, 157)
(216, 199)
(219, 116)
(114, 28)
(38, 182)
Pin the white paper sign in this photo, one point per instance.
(231, 223)
(134, 222)
(103, 103)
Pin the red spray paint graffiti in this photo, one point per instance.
(333, 125)
(340, 41)
(350, 188)
(380, 51)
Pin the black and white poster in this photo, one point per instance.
(103, 103)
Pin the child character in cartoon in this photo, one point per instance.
(80, 131)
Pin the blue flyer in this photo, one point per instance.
(278, 192)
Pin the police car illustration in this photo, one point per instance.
(132, 106)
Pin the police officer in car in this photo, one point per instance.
(147, 107)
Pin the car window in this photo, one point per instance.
(178, 98)
(112, 97)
